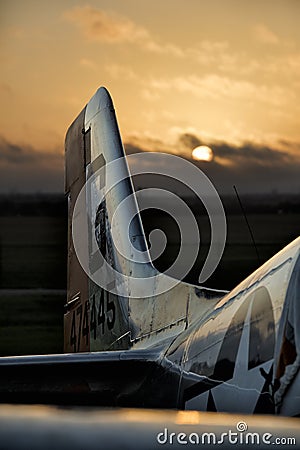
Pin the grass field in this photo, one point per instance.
(33, 252)
(31, 321)
(33, 274)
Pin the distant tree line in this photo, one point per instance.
(56, 205)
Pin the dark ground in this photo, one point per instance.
(33, 258)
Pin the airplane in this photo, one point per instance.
(179, 347)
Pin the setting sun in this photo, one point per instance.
(203, 153)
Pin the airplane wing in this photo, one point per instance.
(98, 378)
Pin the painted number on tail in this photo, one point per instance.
(80, 326)
(105, 317)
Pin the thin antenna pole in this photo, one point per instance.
(248, 225)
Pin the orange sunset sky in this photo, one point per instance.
(223, 73)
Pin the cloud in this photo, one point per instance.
(24, 169)
(264, 35)
(247, 153)
(87, 63)
(13, 154)
(99, 25)
(118, 71)
(136, 144)
(108, 27)
(215, 86)
(252, 154)
(190, 140)
(215, 53)
(252, 166)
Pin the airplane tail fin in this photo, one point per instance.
(116, 298)
(102, 253)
